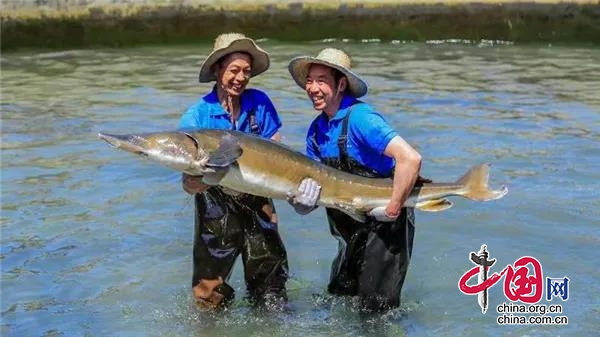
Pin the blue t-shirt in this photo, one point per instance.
(368, 136)
(209, 113)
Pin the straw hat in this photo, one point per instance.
(230, 43)
(330, 57)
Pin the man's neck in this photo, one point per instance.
(332, 111)
(229, 103)
(331, 114)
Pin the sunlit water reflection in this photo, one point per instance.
(96, 242)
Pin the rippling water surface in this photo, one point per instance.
(96, 242)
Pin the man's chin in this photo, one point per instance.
(235, 92)
(319, 107)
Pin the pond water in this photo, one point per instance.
(96, 242)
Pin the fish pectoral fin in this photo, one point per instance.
(214, 178)
(435, 205)
(228, 152)
(352, 212)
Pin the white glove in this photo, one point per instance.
(304, 200)
(380, 214)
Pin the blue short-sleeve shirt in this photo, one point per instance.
(368, 135)
(209, 113)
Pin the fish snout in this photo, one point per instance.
(129, 143)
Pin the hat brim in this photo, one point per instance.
(260, 59)
(299, 67)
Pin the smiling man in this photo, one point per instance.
(348, 134)
(228, 223)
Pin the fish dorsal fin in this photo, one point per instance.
(435, 205)
(227, 153)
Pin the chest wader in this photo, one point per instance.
(229, 223)
(373, 257)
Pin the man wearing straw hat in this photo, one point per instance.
(348, 134)
(229, 223)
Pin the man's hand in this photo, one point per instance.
(193, 184)
(304, 200)
(382, 214)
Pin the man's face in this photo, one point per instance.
(233, 74)
(322, 88)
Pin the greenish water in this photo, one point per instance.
(95, 242)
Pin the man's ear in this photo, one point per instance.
(342, 84)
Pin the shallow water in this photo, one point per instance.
(95, 242)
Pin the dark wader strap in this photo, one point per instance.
(345, 162)
(342, 143)
(259, 279)
(313, 139)
(342, 140)
(254, 128)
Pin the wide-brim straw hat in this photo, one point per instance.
(331, 57)
(231, 43)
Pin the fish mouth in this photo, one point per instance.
(124, 142)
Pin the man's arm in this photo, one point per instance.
(408, 165)
(377, 135)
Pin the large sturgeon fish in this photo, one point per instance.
(249, 164)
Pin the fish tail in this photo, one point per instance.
(475, 183)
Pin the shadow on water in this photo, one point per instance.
(95, 242)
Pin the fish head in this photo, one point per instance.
(176, 150)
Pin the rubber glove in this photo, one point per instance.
(304, 200)
(380, 214)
